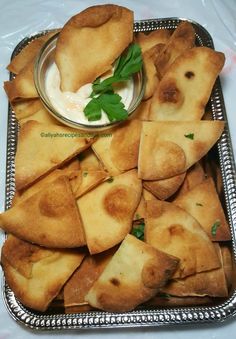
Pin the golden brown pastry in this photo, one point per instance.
(48, 218)
(174, 231)
(133, 275)
(90, 42)
(107, 211)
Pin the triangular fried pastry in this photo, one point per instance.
(39, 150)
(84, 277)
(89, 161)
(174, 231)
(203, 203)
(194, 71)
(48, 218)
(134, 274)
(26, 108)
(42, 116)
(86, 181)
(43, 183)
(119, 152)
(22, 87)
(22, 255)
(124, 146)
(150, 39)
(210, 283)
(142, 111)
(149, 60)
(70, 169)
(101, 148)
(35, 274)
(181, 40)
(107, 211)
(28, 53)
(80, 62)
(169, 148)
(194, 176)
(164, 188)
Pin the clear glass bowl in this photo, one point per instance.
(44, 61)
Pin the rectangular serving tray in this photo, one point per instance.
(219, 311)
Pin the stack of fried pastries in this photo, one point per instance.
(130, 218)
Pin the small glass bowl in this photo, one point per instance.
(44, 61)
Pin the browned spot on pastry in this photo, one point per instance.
(51, 205)
(176, 230)
(154, 211)
(115, 281)
(169, 92)
(115, 202)
(169, 150)
(189, 74)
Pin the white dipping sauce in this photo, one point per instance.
(71, 105)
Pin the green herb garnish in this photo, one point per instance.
(85, 174)
(189, 136)
(137, 216)
(214, 227)
(103, 97)
(138, 231)
(111, 179)
(198, 204)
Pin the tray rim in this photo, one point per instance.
(138, 318)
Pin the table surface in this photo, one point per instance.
(20, 18)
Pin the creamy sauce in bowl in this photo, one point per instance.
(71, 105)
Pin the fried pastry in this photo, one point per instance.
(149, 60)
(43, 183)
(26, 108)
(181, 40)
(194, 71)
(203, 203)
(169, 148)
(35, 274)
(147, 41)
(125, 145)
(22, 87)
(164, 188)
(48, 218)
(134, 274)
(210, 283)
(86, 181)
(119, 152)
(101, 148)
(37, 154)
(194, 176)
(84, 277)
(89, 161)
(107, 211)
(29, 53)
(172, 230)
(142, 111)
(80, 62)
(42, 116)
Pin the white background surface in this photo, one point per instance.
(19, 18)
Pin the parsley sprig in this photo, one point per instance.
(215, 227)
(138, 231)
(103, 97)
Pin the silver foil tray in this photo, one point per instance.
(220, 310)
